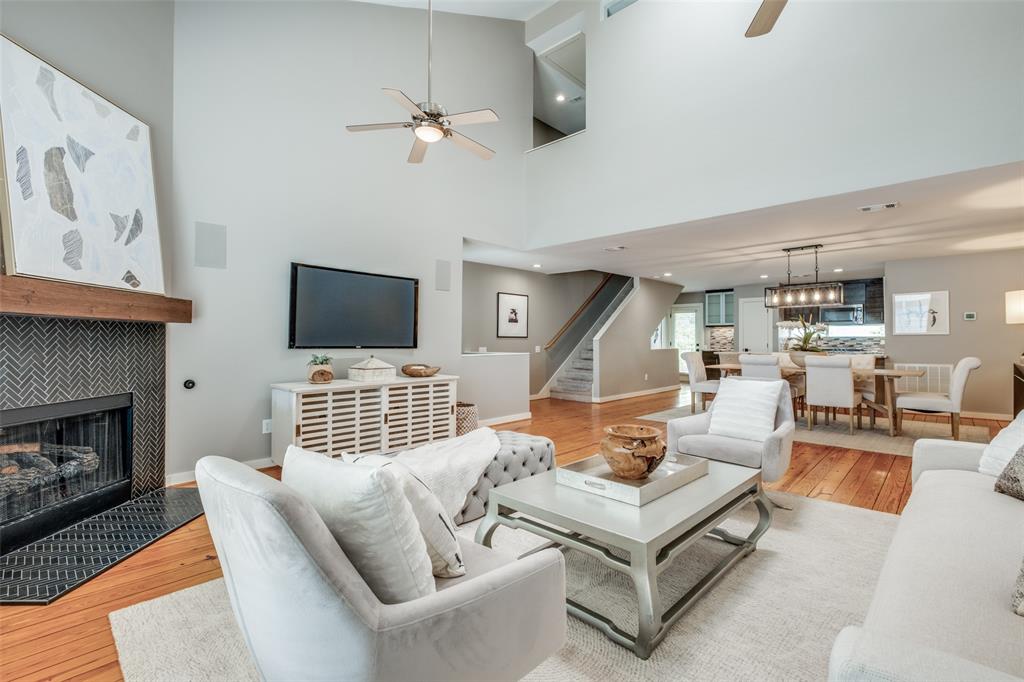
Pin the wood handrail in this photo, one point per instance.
(579, 311)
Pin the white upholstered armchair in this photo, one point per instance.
(690, 435)
(306, 614)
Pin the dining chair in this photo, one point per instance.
(830, 385)
(770, 367)
(699, 382)
(940, 402)
(865, 385)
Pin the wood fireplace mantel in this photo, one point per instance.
(48, 298)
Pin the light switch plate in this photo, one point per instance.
(268, 426)
(536, 349)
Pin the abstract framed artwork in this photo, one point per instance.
(513, 315)
(923, 313)
(78, 200)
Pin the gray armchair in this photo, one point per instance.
(306, 614)
(690, 435)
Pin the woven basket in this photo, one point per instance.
(466, 418)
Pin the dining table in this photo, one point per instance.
(888, 375)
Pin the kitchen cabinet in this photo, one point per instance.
(719, 308)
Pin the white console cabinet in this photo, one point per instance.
(362, 416)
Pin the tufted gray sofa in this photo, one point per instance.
(521, 455)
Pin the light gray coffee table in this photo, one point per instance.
(653, 535)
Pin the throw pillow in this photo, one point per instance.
(1011, 481)
(436, 527)
(1018, 593)
(367, 513)
(999, 452)
(745, 408)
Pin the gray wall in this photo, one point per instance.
(123, 51)
(262, 93)
(553, 299)
(976, 282)
(624, 348)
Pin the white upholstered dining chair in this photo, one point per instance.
(865, 385)
(830, 385)
(770, 367)
(699, 382)
(940, 402)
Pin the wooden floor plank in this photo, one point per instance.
(71, 640)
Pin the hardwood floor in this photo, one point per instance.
(71, 640)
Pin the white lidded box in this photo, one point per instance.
(595, 476)
(371, 369)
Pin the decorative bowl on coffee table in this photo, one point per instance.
(632, 451)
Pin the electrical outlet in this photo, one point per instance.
(268, 426)
(645, 376)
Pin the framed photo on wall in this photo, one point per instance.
(513, 315)
(80, 200)
(923, 313)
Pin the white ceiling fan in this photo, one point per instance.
(431, 122)
(767, 14)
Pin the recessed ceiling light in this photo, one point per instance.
(837, 269)
(667, 274)
(615, 248)
(764, 276)
(536, 265)
(559, 97)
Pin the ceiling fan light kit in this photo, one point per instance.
(430, 121)
(789, 295)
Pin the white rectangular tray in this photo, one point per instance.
(594, 476)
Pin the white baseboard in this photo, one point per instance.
(506, 419)
(189, 476)
(636, 394)
(544, 393)
(988, 415)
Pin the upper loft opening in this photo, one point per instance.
(559, 82)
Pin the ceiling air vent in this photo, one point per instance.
(614, 248)
(874, 208)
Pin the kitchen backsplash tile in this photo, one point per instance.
(721, 338)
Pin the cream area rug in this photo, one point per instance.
(837, 432)
(773, 617)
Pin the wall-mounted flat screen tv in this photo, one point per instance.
(344, 309)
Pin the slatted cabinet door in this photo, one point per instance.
(346, 420)
(419, 413)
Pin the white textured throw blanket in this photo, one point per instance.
(451, 468)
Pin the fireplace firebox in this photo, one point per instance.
(61, 463)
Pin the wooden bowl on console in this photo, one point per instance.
(419, 371)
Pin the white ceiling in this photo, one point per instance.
(520, 10)
(980, 210)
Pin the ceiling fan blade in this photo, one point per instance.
(767, 14)
(472, 145)
(419, 150)
(376, 126)
(403, 101)
(466, 118)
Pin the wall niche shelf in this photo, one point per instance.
(48, 298)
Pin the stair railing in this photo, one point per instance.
(579, 311)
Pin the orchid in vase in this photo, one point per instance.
(803, 334)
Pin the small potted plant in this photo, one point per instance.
(804, 336)
(320, 370)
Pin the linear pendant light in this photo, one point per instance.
(791, 295)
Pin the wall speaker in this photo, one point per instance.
(211, 246)
(442, 275)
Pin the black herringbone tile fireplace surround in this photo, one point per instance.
(51, 361)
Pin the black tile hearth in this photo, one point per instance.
(44, 570)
